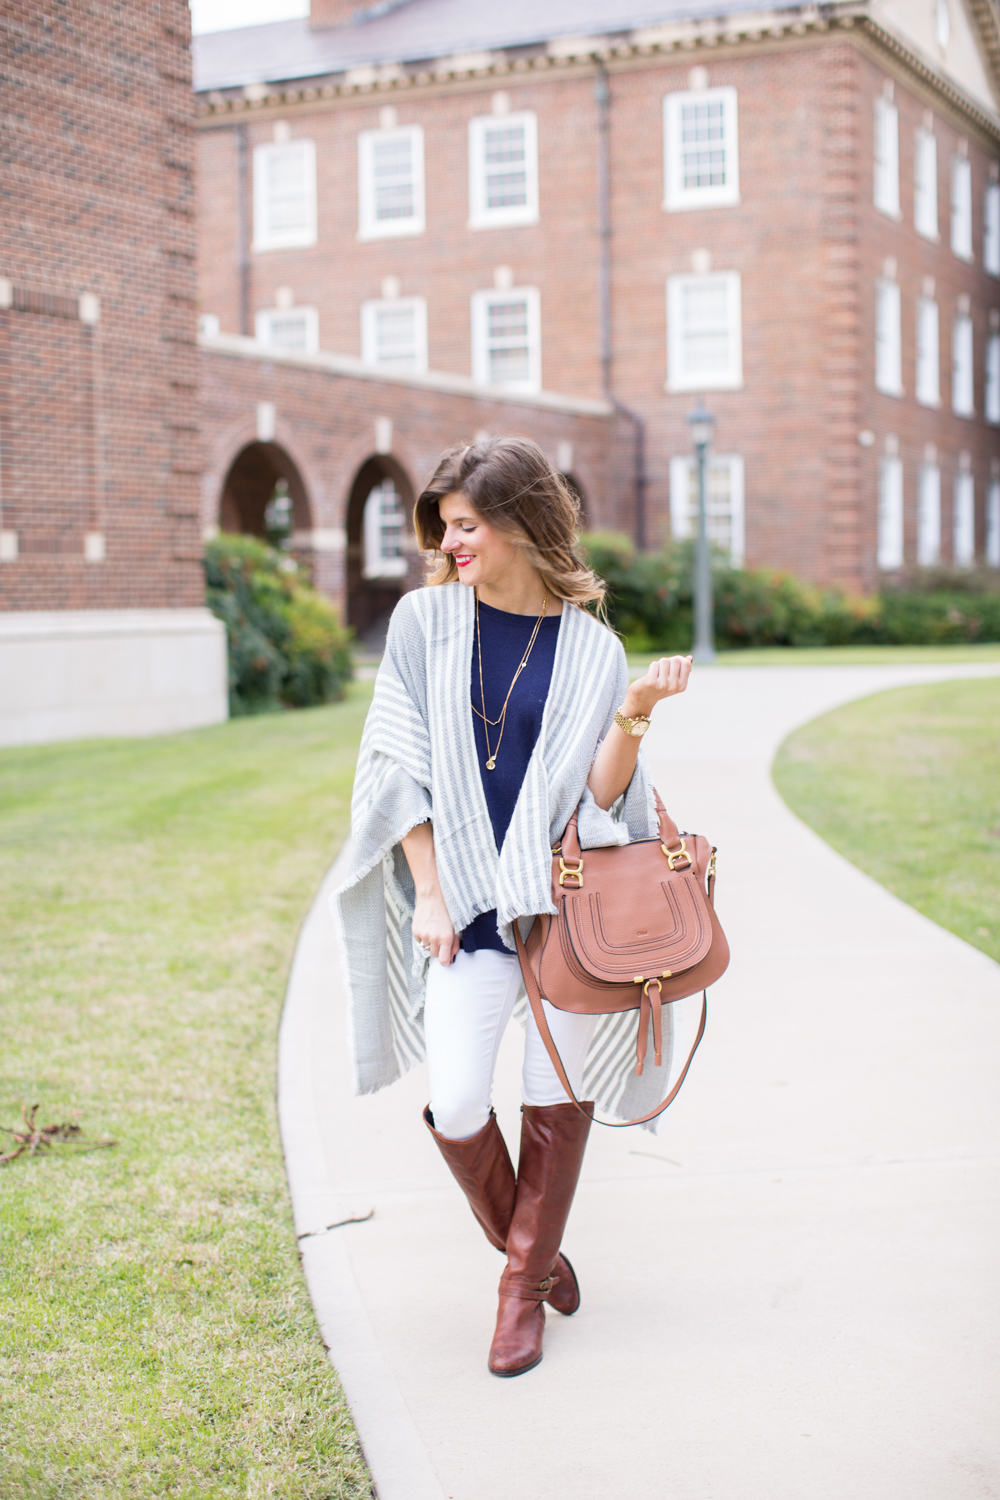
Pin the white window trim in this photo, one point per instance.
(889, 555)
(309, 315)
(682, 525)
(962, 333)
(961, 208)
(370, 228)
(991, 392)
(929, 516)
(991, 228)
(297, 239)
(928, 381)
(993, 524)
(677, 377)
(480, 216)
(374, 565)
(925, 192)
(369, 332)
(480, 337)
(885, 167)
(676, 197)
(964, 520)
(888, 381)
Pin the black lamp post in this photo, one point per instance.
(702, 424)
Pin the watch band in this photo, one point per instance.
(631, 726)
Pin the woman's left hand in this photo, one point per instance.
(663, 679)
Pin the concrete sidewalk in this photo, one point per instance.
(791, 1292)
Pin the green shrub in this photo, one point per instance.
(287, 647)
(650, 601)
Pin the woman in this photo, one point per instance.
(501, 704)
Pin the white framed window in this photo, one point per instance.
(293, 328)
(723, 497)
(925, 185)
(507, 338)
(888, 339)
(929, 516)
(928, 362)
(384, 528)
(962, 391)
(701, 164)
(503, 170)
(391, 183)
(991, 398)
(964, 540)
(704, 332)
(886, 189)
(890, 513)
(284, 195)
(993, 524)
(394, 334)
(991, 228)
(961, 207)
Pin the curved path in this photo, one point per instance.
(791, 1292)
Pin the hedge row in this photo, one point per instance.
(650, 603)
(287, 647)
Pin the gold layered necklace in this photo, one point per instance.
(488, 724)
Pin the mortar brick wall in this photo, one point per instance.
(805, 237)
(98, 421)
(913, 426)
(329, 424)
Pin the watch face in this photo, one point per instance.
(639, 727)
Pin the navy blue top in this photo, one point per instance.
(505, 638)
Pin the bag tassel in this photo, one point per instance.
(649, 1004)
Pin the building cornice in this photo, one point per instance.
(236, 346)
(887, 41)
(567, 55)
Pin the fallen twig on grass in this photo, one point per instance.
(32, 1138)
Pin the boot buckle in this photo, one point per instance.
(547, 1285)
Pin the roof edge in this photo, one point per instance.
(238, 346)
(684, 37)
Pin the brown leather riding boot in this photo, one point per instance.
(482, 1168)
(553, 1141)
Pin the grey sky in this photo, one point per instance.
(223, 15)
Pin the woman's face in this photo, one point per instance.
(481, 552)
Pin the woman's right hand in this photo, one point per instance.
(432, 927)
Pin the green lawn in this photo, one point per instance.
(156, 1338)
(906, 784)
(839, 656)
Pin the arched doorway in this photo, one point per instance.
(264, 494)
(379, 545)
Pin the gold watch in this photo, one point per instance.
(636, 726)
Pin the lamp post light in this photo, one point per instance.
(702, 424)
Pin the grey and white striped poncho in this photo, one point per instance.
(417, 762)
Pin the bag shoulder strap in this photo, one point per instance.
(538, 1011)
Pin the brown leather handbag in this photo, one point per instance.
(635, 929)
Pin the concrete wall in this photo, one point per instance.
(80, 674)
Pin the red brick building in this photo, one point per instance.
(102, 625)
(794, 213)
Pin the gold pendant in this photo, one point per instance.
(490, 764)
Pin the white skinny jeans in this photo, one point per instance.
(467, 1007)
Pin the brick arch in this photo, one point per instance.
(354, 452)
(288, 457)
(369, 601)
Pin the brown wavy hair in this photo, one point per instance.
(511, 484)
